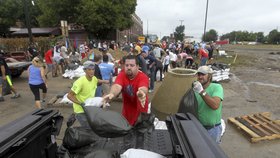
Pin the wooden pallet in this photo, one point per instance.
(257, 126)
(55, 102)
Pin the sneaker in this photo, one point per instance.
(2, 99)
(15, 96)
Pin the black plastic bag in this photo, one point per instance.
(106, 123)
(188, 103)
(78, 137)
(145, 123)
(103, 154)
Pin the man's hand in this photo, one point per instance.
(142, 97)
(106, 99)
(197, 87)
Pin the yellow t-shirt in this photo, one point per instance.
(83, 89)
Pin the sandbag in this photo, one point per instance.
(140, 153)
(106, 123)
(103, 154)
(96, 101)
(78, 137)
(188, 103)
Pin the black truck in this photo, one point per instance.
(33, 136)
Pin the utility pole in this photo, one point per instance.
(147, 27)
(27, 21)
(181, 22)
(205, 20)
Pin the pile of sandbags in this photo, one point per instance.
(221, 72)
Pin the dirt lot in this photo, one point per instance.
(254, 87)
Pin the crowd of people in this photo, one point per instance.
(139, 66)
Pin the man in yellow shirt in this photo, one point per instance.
(82, 89)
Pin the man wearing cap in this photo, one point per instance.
(134, 87)
(82, 89)
(209, 98)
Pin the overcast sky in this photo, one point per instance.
(163, 16)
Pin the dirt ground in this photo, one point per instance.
(253, 88)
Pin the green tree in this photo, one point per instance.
(53, 11)
(179, 33)
(12, 11)
(101, 16)
(9, 13)
(273, 37)
(260, 37)
(211, 35)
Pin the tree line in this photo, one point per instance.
(97, 16)
(272, 38)
(235, 36)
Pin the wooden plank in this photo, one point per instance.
(52, 101)
(270, 123)
(275, 122)
(266, 114)
(57, 102)
(256, 126)
(248, 125)
(242, 127)
(263, 124)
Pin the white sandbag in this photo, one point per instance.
(160, 124)
(140, 153)
(223, 127)
(96, 101)
(66, 100)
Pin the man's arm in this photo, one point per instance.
(141, 94)
(115, 90)
(103, 81)
(72, 96)
(212, 102)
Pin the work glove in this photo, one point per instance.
(82, 104)
(142, 97)
(197, 87)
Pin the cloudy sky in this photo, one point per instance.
(163, 16)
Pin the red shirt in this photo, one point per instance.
(48, 56)
(203, 53)
(131, 105)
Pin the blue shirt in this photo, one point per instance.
(106, 70)
(35, 77)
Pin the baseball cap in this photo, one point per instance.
(205, 70)
(89, 65)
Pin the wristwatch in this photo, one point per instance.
(203, 93)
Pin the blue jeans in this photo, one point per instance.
(203, 61)
(81, 117)
(152, 78)
(98, 91)
(215, 133)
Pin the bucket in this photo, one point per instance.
(167, 98)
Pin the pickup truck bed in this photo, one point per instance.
(33, 136)
(18, 67)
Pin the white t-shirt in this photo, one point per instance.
(166, 60)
